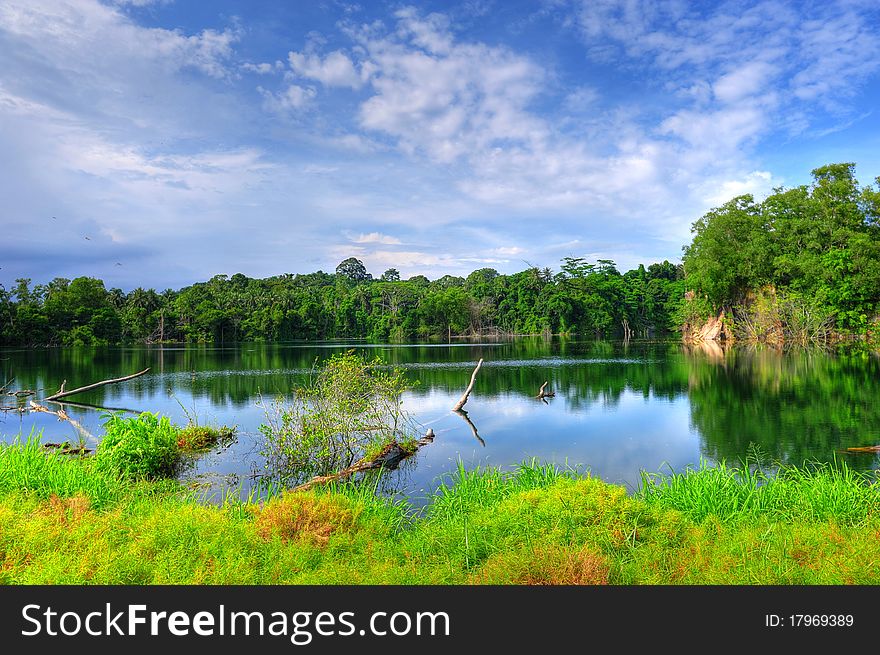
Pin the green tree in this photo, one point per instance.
(354, 270)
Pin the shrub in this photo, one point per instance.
(351, 409)
(144, 446)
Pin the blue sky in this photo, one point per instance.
(158, 143)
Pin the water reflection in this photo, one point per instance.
(619, 408)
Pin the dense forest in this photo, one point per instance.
(802, 264)
(582, 298)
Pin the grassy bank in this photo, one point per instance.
(66, 520)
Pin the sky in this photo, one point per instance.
(157, 143)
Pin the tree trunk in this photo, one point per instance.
(63, 394)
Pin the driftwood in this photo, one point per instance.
(63, 394)
(545, 394)
(470, 423)
(467, 392)
(389, 459)
(863, 449)
(62, 416)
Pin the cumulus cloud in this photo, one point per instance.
(444, 99)
(336, 69)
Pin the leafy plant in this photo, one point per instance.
(144, 446)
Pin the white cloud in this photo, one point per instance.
(757, 183)
(722, 130)
(86, 37)
(376, 237)
(264, 68)
(336, 69)
(744, 81)
(293, 98)
(444, 99)
(507, 251)
(839, 51)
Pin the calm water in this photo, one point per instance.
(618, 409)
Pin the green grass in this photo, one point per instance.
(25, 467)
(64, 521)
(813, 492)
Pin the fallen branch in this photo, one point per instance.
(389, 458)
(62, 416)
(864, 449)
(467, 392)
(66, 449)
(63, 394)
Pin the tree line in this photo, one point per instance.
(803, 262)
(582, 298)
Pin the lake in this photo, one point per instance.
(619, 408)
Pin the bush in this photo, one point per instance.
(144, 446)
(351, 409)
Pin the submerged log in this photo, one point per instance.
(63, 394)
(388, 458)
(864, 449)
(467, 392)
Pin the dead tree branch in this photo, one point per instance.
(467, 392)
(62, 416)
(67, 403)
(63, 394)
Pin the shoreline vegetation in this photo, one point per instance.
(64, 520)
